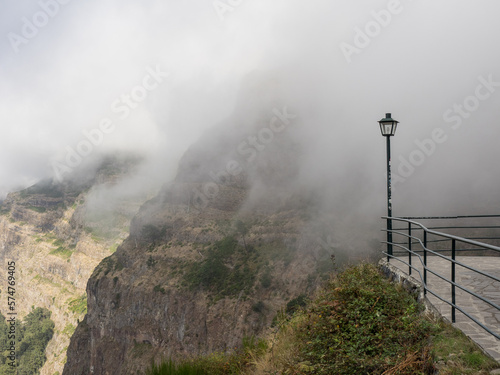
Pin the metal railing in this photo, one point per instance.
(413, 239)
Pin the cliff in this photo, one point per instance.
(213, 257)
(56, 237)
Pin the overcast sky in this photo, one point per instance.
(66, 70)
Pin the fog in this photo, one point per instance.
(153, 77)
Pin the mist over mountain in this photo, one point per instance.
(340, 72)
(256, 112)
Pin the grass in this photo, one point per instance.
(62, 252)
(359, 323)
(214, 273)
(46, 280)
(159, 288)
(58, 242)
(69, 329)
(230, 269)
(78, 305)
(40, 210)
(456, 354)
(169, 367)
(215, 363)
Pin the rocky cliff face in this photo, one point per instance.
(210, 259)
(56, 238)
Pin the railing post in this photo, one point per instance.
(409, 248)
(453, 300)
(425, 262)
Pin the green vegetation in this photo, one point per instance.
(46, 280)
(242, 229)
(31, 336)
(113, 248)
(215, 363)
(296, 304)
(58, 242)
(69, 330)
(62, 252)
(362, 324)
(170, 367)
(229, 269)
(108, 265)
(159, 288)
(152, 233)
(78, 305)
(457, 354)
(40, 210)
(359, 323)
(43, 188)
(150, 262)
(215, 275)
(266, 278)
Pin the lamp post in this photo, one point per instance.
(388, 128)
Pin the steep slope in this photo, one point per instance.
(56, 238)
(213, 257)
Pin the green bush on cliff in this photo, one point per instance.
(359, 323)
(216, 276)
(78, 305)
(32, 336)
(215, 363)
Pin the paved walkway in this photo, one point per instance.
(481, 285)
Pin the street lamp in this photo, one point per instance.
(388, 128)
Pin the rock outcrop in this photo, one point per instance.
(213, 257)
(208, 261)
(52, 233)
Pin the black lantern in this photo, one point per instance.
(388, 125)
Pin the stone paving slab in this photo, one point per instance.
(479, 284)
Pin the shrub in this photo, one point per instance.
(295, 304)
(361, 324)
(78, 305)
(152, 233)
(159, 288)
(215, 276)
(32, 336)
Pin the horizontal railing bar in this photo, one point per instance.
(414, 243)
(460, 264)
(461, 250)
(449, 259)
(461, 239)
(466, 314)
(449, 303)
(479, 248)
(469, 227)
(483, 238)
(445, 217)
(404, 229)
(492, 304)
(444, 238)
(395, 231)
